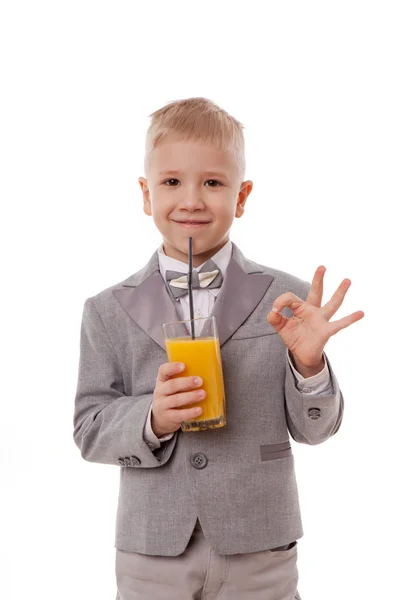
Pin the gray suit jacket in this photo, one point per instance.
(239, 480)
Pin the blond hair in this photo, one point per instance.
(197, 119)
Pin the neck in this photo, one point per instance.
(198, 259)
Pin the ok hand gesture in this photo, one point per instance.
(306, 333)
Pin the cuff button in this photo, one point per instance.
(314, 413)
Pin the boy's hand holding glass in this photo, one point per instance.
(172, 394)
(195, 343)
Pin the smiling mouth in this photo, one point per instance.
(192, 223)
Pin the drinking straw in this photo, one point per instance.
(189, 280)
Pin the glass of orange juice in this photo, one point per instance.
(202, 357)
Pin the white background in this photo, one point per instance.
(321, 88)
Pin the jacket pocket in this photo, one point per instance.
(289, 547)
(253, 330)
(274, 451)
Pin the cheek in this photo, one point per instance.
(159, 218)
(160, 208)
(225, 213)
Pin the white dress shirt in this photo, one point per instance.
(204, 300)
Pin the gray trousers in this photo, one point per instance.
(202, 574)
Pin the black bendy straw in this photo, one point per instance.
(190, 282)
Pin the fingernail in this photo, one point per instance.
(201, 393)
(180, 366)
(198, 381)
(274, 309)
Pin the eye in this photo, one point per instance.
(217, 183)
(170, 180)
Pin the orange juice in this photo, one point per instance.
(202, 357)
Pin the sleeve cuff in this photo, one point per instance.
(150, 437)
(319, 383)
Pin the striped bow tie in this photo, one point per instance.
(208, 278)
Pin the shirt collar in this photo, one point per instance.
(221, 259)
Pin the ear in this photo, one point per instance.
(147, 207)
(245, 190)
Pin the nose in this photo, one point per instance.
(192, 199)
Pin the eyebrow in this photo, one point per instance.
(208, 172)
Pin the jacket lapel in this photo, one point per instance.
(243, 288)
(145, 298)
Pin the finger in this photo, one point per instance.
(167, 370)
(316, 291)
(287, 299)
(180, 384)
(184, 398)
(185, 414)
(276, 320)
(336, 326)
(336, 300)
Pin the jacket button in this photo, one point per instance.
(121, 462)
(135, 460)
(199, 461)
(314, 413)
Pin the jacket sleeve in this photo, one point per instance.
(108, 426)
(312, 418)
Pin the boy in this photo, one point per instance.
(211, 514)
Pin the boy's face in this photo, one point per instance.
(193, 190)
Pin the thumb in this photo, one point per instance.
(275, 319)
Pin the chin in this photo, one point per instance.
(198, 246)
